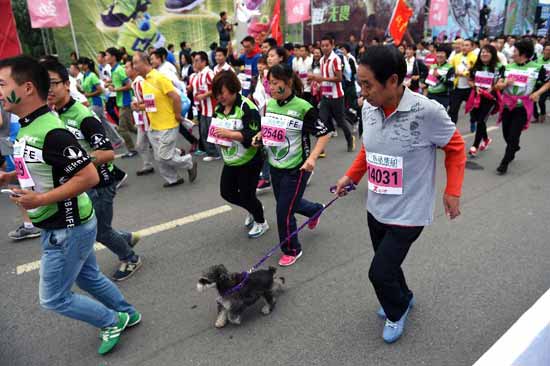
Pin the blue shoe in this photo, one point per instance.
(472, 127)
(382, 314)
(199, 153)
(394, 330)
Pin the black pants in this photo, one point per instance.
(457, 97)
(188, 135)
(391, 245)
(479, 116)
(442, 99)
(334, 108)
(513, 122)
(110, 106)
(288, 188)
(238, 186)
(542, 105)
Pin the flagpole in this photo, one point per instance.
(72, 29)
(391, 19)
(311, 17)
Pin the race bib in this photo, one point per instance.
(23, 175)
(326, 88)
(385, 173)
(150, 103)
(274, 130)
(431, 79)
(520, 78)
(220, 123)
(484, 79)
(547, 69)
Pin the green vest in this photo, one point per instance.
(237, 154)
(531, 69)
(291, 153)
(73, 117)
(441, 86)
(64, 214)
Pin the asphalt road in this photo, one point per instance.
(472, 277)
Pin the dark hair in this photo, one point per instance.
(281, 52)
(494, 59)
(385, 61)
(75, 64)
(525, 47)
(102, 53)
(159, 54)
(26, 69)
(288, 46)
(58, 68)
(183, 44)
(443, 48)
(346, 47)
(228, 79)
(271, 41)
(202, 55)
(249, 39)
(170, 46)
(284, 72)
(412, 47)
(222, 50)
(213, 46)
(114, 52)
(327, 37)
(223, 13)
(187, 58)
(143, 56)
(262, 60)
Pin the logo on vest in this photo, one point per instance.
(72, 152)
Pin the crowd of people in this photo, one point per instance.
(257, 110)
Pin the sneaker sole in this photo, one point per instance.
(130, 325)
(295, 260)
(131, 273)
(31, 236)
(258, 235)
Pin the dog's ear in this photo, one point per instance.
(222, 268)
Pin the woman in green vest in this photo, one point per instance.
(235, 122)
(286, 129)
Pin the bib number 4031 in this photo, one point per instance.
(385, 174)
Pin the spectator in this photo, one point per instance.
(224, 30)
(170, 54)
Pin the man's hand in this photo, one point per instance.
(341, 184)
(309, 165)
(27, 199)
(221, 132)
(452, 206)
(534, 97)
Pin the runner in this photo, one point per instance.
(235, 123)
(221, 61)
(483, 78)
(401, 174)
(440, 78)
(332, 102)
(544, 61)
(462, 63)
(163, 107)
(55, 172)
(120, 84)
(89, 132)
(518, 84)
(286, 127)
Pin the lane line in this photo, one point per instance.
(33, 266)
(489, 129)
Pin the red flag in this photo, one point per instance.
(9, 42)
(400, 20)
(439, 13)
(297, 11)
(276, 31)
(48, 13)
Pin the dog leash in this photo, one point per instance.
(348, 188)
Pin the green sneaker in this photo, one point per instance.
(136, 237)
(111, 335)
(135, 319)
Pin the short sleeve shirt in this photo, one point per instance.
(157, 86)
(90, 83)
(412, 133)
(119, 78)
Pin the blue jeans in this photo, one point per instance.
(68, 257)
(118, 242)
(289, 200)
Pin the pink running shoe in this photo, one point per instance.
(485, 144)
(288, 260)
(315, 221)
(473, 151)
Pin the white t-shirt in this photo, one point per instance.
(169, 70)
(73, 91)
(303, 67)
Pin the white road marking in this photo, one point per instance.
(489, 129)
(32, 266)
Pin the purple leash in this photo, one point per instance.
(348, 188)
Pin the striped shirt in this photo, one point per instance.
(140, 117)
(202, 84)
(329, 67)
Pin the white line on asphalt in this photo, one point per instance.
(32, 266)
(489, 129)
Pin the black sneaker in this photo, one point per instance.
(176, 183)
(502, 168)
(22, 233)
(127, 269)
(121, 182)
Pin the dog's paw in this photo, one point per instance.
(220, 323)
(266, 309)
(235, 320)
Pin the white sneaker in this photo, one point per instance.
(334, 134)
(249, 221)
(211, 158)
(258, 230)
